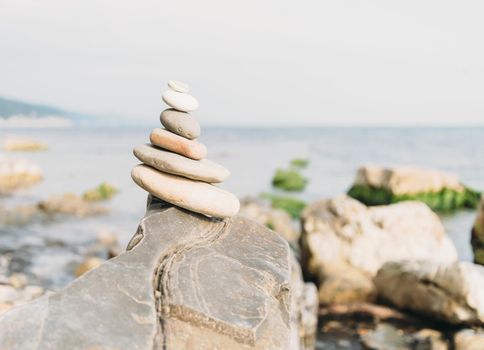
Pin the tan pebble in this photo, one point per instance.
(175, 143)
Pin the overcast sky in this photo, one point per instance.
(251, 62)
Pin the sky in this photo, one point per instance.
(251, 62)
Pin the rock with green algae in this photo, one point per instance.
(477, 239)
(293, 206)
(299, 163)
(186, 281)
(441, 191)
(104, 191)
(289, 180)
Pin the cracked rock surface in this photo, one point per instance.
(185, 282)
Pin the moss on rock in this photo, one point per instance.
(443, 200)
(291, 205)
(103, 192)
(300, 163)
(289, 180)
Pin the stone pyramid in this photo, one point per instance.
(174, 167)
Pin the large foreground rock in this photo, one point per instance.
(185, 282)
(478, 235)
(449, 292)
(344, 243)
(376, 185)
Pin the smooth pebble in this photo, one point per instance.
(175, 143)
(169, 162)
(181, 123)
(180, 101)
(176, 85)
(196, 196)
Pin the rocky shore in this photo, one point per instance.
(374, 269)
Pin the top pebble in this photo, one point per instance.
(178, 86)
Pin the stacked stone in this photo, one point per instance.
(174, 167)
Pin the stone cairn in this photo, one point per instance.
(174, 167)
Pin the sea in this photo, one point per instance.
(80, 158)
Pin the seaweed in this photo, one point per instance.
(291, 205)
(444, 200)
(289, 180)
(103, 192)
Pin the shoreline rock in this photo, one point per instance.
(16, 174)
(342, 234)
(16, 144)
(375, 185)
(448, 292)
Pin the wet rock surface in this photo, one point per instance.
(185, 281)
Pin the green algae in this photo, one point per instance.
(289, 180)
(104, 191)
(293, 206)
(299, 163)
(443, 200)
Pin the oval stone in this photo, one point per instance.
(175, 143)
(181, 123)
(169, 162)
(196, 196)
(180, 101)
(176, 85)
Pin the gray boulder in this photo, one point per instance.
(185, 282)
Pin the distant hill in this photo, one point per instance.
(14, 109)
(10, 108)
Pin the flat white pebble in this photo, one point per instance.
(178, 86)
(180, 101)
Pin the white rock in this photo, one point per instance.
(450, 292)
(178, 86)
(343, 230)
(181, 123)
(180, 101)
(172, 163)
(193, 195)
